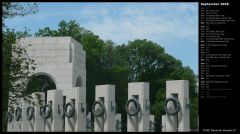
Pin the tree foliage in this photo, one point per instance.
(13, 9)
(16, 65)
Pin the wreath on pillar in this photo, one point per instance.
(18, 113)
(10, 115)
(89, 124)
(46, 114)
(69, 113)
(136, 104)
(29, 113)
(118, 124)
(99, 112)
(151, 125)
(176, 104)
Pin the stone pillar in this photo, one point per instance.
(18, 121)
(17, 126)
(39, 122)
(10, 125)
(106, 122)
(89, 125)
(76, 121)
(27, 126)
(152, 123)
(55, 122)
(140, 92)
(181, 120)
(118, 121)
(163, 123)
(13, 124)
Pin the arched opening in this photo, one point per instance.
(79, 82)
(40, 82)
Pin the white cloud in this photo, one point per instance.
(172, 25)
(154, 23)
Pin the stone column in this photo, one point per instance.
(140, 92)
(118, 121)
(89, 125)
(13, 125)
(180, 121)
(55, 122)
(106, 95)
(26, 124)
(39, 122)
(10, 124)
(77, 97)
(152, 123)
(163, 123)
(18, 122)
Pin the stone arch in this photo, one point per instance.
(47, 81)
(42, 82)
(79, 82)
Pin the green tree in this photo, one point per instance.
(149, 62)
(143, 60)
(16, 64)
(13, 9)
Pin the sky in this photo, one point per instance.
(173, 25)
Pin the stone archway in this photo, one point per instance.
(41, 82)
(61, 57)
